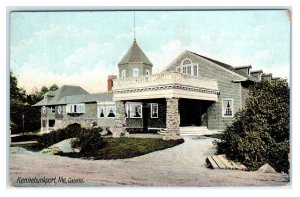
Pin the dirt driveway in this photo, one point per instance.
(183, 165)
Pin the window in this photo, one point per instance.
(107, 111)
(123, 74)
(189, 70)
(147, 72)
(101, 111)
(126, 110)
(135, 110)
(135, 72)
(52, 110)
(59, 109)
(45, 99)
(110, 111)
(44, 110)
(187, 67)
(44, 123)
(154, 110)
(227, 108)
(51, 123)
(186, 61)
(195, 70)
(75, 108)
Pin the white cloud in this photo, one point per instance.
(165, 55)
(93, 80)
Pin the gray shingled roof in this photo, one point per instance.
(74, 94)
(231, 68)
(86, 98)
(135, 54)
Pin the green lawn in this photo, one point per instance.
(120, 148)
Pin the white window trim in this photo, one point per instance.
(70, 108)
(123, 74)
(135, 70)
(232, 108)
(147, 72)
(195, 65)
(130, 109)
(106, 112)
(185, 67)
(51, 110)
(99, 110)
(59, 109)
(127, 110)
(152, 104)
(44, 110)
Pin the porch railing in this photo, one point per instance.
(164, 79)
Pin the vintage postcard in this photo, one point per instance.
(149, 98)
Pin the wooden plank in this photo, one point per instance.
(212, 162)
(25, 142)
(235, 166)
(242, 167)
(225, 161)
(219, 163)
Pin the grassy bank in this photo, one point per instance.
(121, 148)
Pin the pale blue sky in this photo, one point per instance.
(82, 48)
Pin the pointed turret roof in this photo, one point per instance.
(135, 54)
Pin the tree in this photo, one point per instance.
(260, 132)
(17, 105)
(24, 117)
(53, 87)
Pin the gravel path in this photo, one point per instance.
(183, 165)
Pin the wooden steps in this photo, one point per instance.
(220, 162)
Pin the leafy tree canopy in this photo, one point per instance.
(260, 132)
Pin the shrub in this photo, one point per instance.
(89, 139)
(260, 132)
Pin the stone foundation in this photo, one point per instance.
(172, 131)
(119, 129)
(85, 123)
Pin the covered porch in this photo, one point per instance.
(183, 100)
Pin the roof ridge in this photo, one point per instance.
(135, 54)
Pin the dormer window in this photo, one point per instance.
(135, 72)
(188, 67)
(45, 99)
(248, 72)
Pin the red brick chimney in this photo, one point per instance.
(110, 82)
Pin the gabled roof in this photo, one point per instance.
(223, 65)
(60, 93)
(86, 98)
(75, 94)
(135, 54)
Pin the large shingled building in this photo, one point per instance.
(193, 90)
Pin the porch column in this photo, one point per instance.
(119, 129)
(172, 120)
